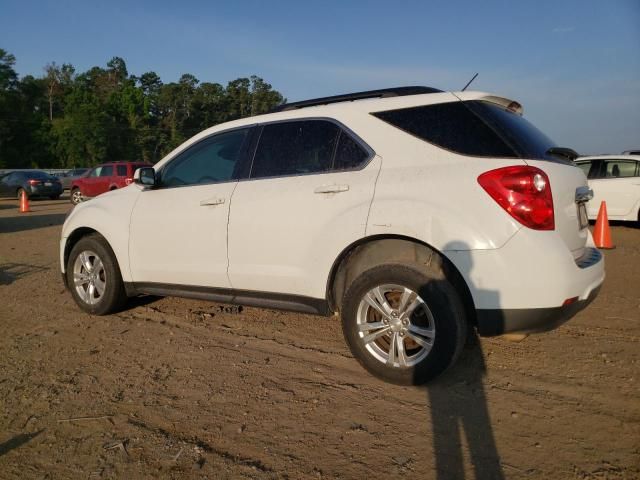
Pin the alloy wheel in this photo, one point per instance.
(89, 277)
(395, 325)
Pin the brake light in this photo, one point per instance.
(34, 182)
(128, 181)
(524, 192)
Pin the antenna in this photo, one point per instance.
(472, 79)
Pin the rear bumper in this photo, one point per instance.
(529, 320)
(523, 286)
(41, 191)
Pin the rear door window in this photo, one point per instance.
(295, 148)
(107, 171)
(620, 168)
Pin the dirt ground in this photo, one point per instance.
(174, 388)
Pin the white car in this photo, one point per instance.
(414, 214)
(616, 180)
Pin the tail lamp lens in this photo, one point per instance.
(34, 182)
(524, 192)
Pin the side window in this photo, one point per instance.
(452, 126)
(96, 172)
(211, 160)
(620, 168)
(585, 166)
(107, 171)
(295, 148)
(349, 153)
(121, 170)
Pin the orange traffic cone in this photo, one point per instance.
(602, 233)
(24, 203)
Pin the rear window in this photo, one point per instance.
(122, 170)
(473, 128)
(37, 174)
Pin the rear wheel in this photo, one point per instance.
(403, 325)
(93, 276)
(76, 196)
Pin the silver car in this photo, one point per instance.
(67, 177)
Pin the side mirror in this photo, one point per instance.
(145, 176)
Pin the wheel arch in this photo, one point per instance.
(375, 250)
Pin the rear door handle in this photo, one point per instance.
(212, 201)
(331, 189)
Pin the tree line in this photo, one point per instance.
(66, 119)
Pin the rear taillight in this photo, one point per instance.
(128, 181)
(34, 182)
(524, 192)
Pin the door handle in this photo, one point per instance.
(212, 201)
(331, 189)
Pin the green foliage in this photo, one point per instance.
(66, 119)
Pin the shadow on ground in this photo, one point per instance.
(458, 406)
(30, 222)
(10, 272)
(17, 441)
(141, 301)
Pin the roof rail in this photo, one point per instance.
(348, 97)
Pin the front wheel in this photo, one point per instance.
(93, 276)
(403, 325)
(76, 196)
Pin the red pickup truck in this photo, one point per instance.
(104, 178)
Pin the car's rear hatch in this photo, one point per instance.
(568, 182)
(567, 186)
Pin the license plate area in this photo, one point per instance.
(583, 219)
(47, 184)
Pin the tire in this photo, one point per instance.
(100, 290)
(438, 322)
(76, 196)
(19, 193)
(54, 197)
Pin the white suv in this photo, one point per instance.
(415, 214)
(616, 180)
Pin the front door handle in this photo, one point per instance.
(331, 189)
(212, 201)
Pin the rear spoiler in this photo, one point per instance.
(507, 103)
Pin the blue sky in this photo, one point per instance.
(574, 65)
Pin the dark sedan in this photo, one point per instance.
(35, 183)
(69, 176)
